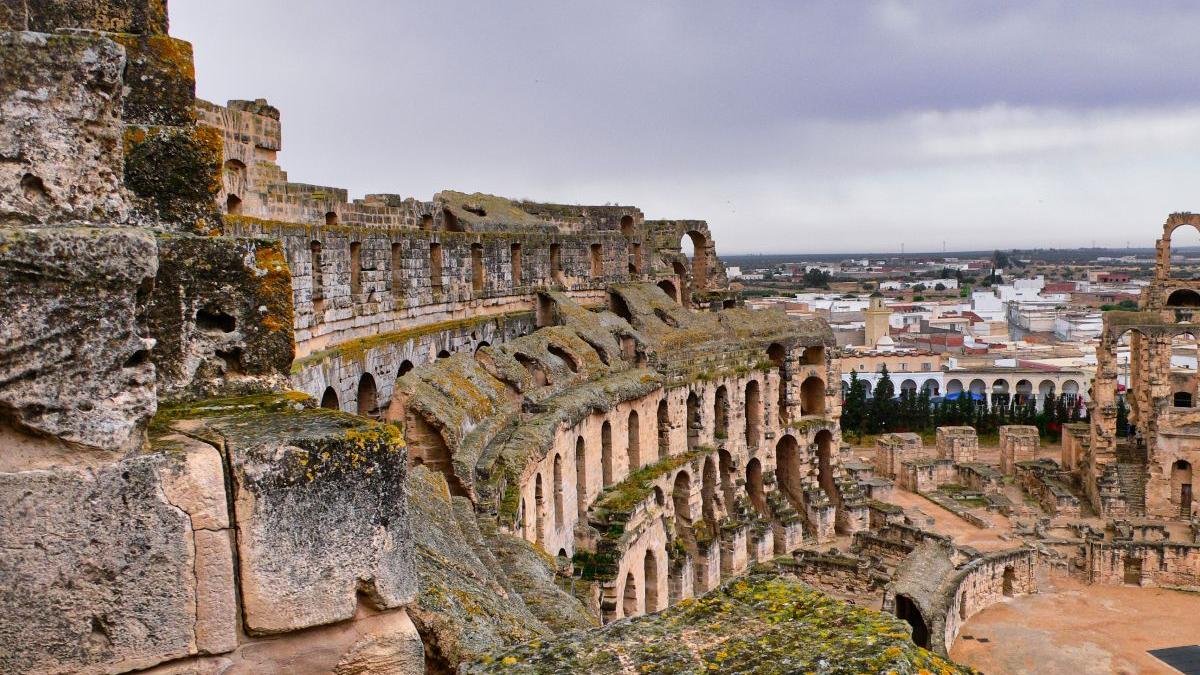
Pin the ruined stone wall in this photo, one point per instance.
(892, 450)
(985, 581)
(1144, 563)
(959, 444)
(1018, 443)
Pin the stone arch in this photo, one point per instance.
(536, 372)
(597, 259)
(581, 488)
(753, 412)
(1183, 297)
(633, 445)
(627, 225)
(693, 421)
(1181, 486)
(699, 280)
(368, 405)
(1070, 390)
(330, 399)
(681, 499)
(788, 470)
(1008, 581)
(1023, 392)
(708, 492)
(754, 486)
(907, 610)
(954, 386)
(426, 222)
(1000, 391)
(1045, 388)
(629, 600)
(405, 367)
(664, 429)
(539, 508)
(813, 356)
(670, 289)
(824, 442)
(233, 204)
(331, 218)
(777, 354)
(618, 306)
(725, 470)
(558, 492)
(721, 413)
(556, 268)
(563, 355)
(930, 386)
(978, 387)
(443, 354)
(606, 454)
(908, 386)
(650, 581)
(685, 289)
(812, 396)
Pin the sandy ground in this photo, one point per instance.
(961, 531)
(1072, 629)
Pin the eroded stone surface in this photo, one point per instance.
(60, 129)
(74, 363)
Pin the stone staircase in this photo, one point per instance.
(1131, 474)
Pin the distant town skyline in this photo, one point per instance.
(818, 127)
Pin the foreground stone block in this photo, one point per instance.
(118, 567)
(74, 362)
(321, 508)
(114, 16)
(60, 129)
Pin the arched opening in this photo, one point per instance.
(556, 268)
(685, 290)
(693, 421)
(368, 406)
(699, 257)
(539, 504)
(581, 498)
(627, 225)
(597, 257)
(789, 471)
(721, 413)
(978, 391)
(443, 354)
(405, 367)
(660, 499)
(606, 456)
(908, 387)
(633, 446)
(954, 388)
(318, 295)
(681, 499)
(708, 492)
(355, 267)
(1182, 399)
(824, 441)
(664, 429)
(650, 581)
(1181, 486)
(629, 603)
(1000, 392)
(669, 288)
(726, 470)
(331, 218)
(514, 253)
(907, 610)
(435, 268)
(635, 258)
(450, 221)
(813, 356)
(233, 204)
(1010, 578)
(1184, 297)
(535, 370)
(812, 396)
(1133, 571)
(753, 403)
(477, 268)
(426, 222)
(1070, 392)
(618, 306)
(754, 486)
(930, 387)
(563, 355)
(1023, 393)
(330, 399)
(558, 492)
(1045, 390)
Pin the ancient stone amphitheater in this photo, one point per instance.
(249, 425)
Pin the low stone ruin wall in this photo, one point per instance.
(1144, 563)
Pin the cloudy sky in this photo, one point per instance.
(789, 126)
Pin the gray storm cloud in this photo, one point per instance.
(788, 126)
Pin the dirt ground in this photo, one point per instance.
(1072, 629)
(963, 533)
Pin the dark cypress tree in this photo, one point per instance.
(883, 405)
(854, 410)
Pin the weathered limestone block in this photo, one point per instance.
(1018, 443)
(320, 504)
(60, 129)
(176, 173)
(114, 16)
(117, 567)
(959, 444)
(221, 315)
(73, 363)
(161, 80)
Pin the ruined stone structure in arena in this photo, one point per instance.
(252, 425)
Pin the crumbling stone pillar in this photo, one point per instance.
(1018, 443)
(892, 449)
(958, 444)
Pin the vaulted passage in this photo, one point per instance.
(788, 470)
(694, 426)
(907, 610)
(634, 446)
(753, 401)
(664, 430)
